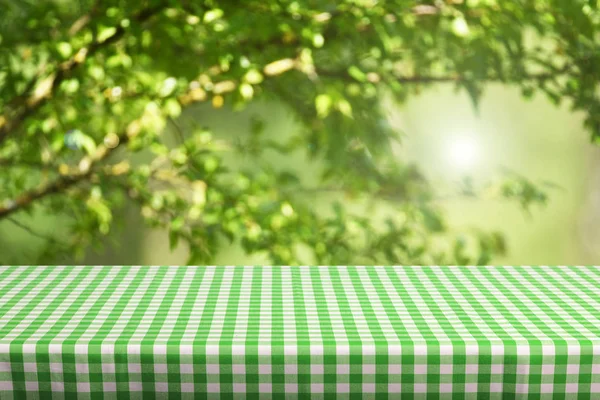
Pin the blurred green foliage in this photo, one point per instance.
(91, 94)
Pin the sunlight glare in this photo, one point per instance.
(463, 152)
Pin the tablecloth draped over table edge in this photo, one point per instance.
(231, 331)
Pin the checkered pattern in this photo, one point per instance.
(318, 332)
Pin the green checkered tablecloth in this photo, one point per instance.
(299, 332)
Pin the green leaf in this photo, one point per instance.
(102, 213)
(83, 141)
(64, 49)
(105, 32)
(460, 26)
(357, 74)
(474, 91)
(70, 86)
(432, 220)
(177, 224)
(168, 86)
(253, 77)
(173, 240)
(345, 107)
(212, 15)
(318, 40)
(246, 90)
(172, 108)
(323, 103)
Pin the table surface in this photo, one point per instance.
(294, 330)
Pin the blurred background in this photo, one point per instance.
(449, 140)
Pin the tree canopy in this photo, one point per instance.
(90, 92)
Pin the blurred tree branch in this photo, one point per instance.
(59, 185)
